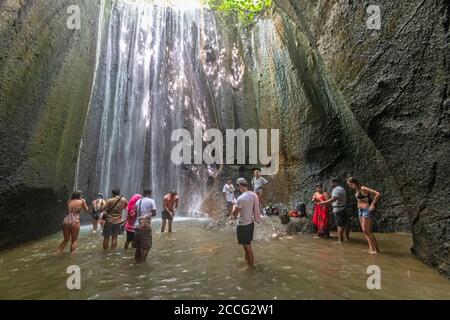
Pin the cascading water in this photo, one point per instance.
(161, 68)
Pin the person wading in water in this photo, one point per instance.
(145, 209)
(320, 218)
(339, 203)
(130, 221)
(366, 210)
(113, 208)
(170, 203)
(258, 183)
(228, 193)
(247, 211)
(97, 204)
(71, 223)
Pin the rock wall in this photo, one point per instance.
(320, 137)
(44, 92)
(390, 87)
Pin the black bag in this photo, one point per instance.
(271, 210)
(285, 219)
(268, 211)
(301, 208)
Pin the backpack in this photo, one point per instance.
(285, 219)
(301, 208)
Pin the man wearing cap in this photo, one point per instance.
(170, 205)
(95, 211)
(247, 211)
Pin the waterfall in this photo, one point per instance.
(97, 60)
(161, 68)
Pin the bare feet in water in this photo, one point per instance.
(247, 268)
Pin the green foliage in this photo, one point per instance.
(245, 10)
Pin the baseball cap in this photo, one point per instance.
(242, 182)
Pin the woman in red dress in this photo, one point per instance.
(320, 218)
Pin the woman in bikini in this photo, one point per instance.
(367, 200)
(97, 204)
(71, 223)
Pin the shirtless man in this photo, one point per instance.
(170, 205)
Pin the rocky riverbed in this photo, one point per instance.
(271, 227)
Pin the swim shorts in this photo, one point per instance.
(366, 213)
(341, 218)
(166, 216)
(245, 234)
(130, 236)
(111, 230)
(143, 238)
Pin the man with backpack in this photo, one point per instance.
(113, 218)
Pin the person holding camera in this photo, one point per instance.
(145, 209)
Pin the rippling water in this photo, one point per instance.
(200, 263)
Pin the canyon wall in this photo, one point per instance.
(46, 73)
(389, 87)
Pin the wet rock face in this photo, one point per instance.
(394, 82)
(320, 136)
(45, 83)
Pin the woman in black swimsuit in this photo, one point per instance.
(97, 204)
(367, 200)
(71, 223)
